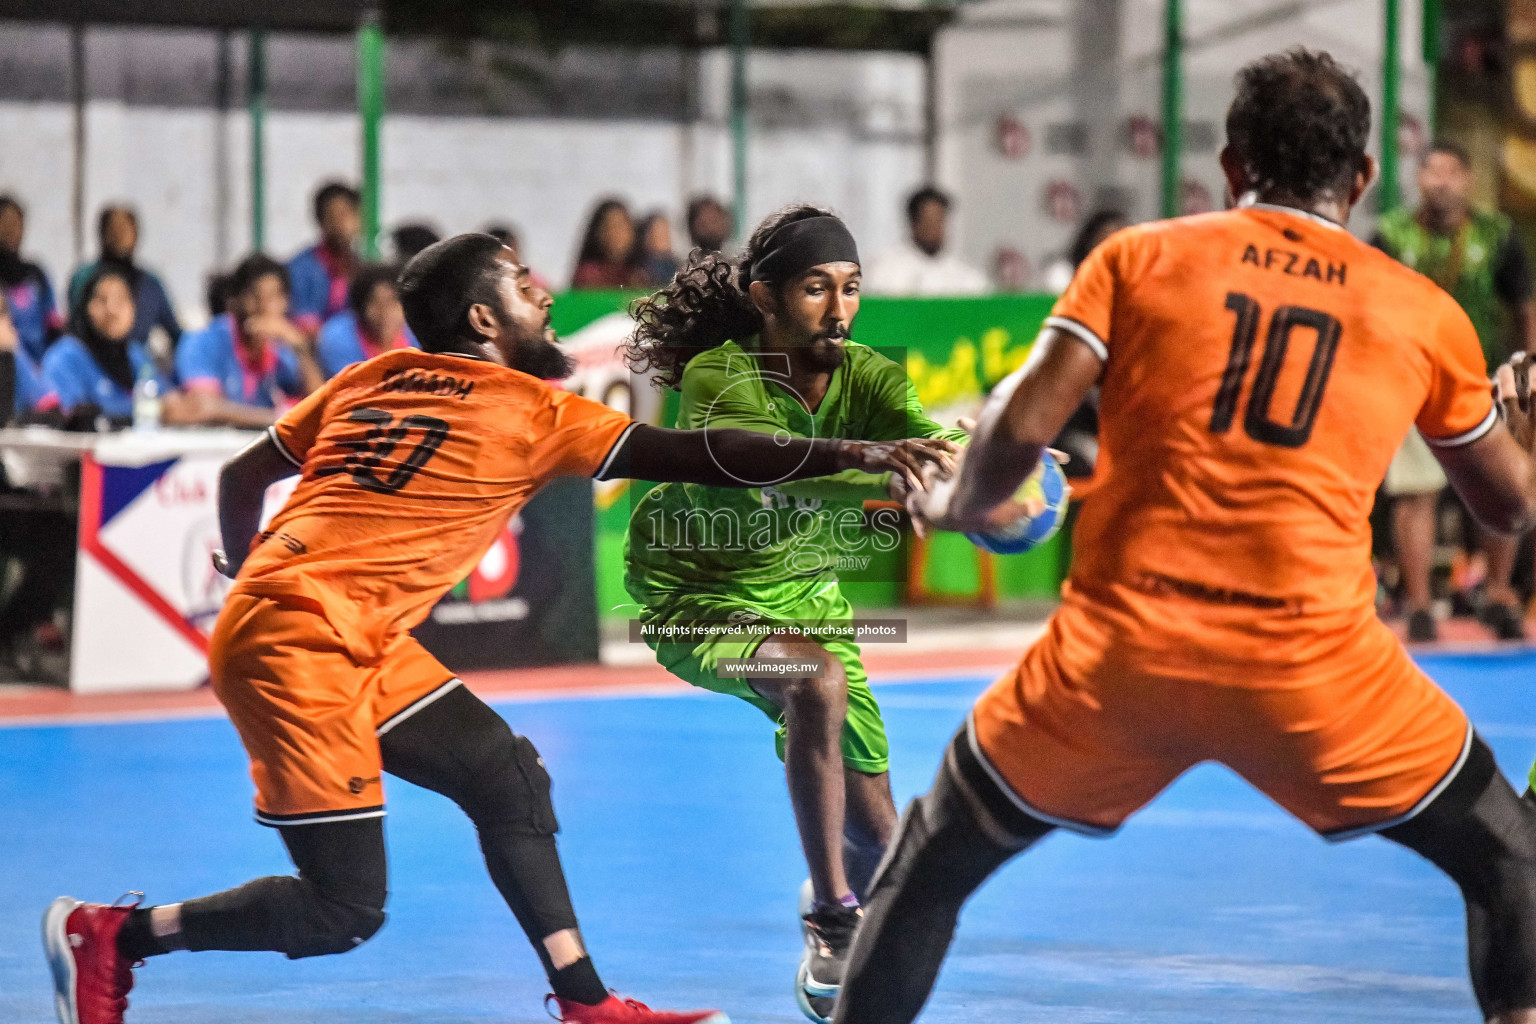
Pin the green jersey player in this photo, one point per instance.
(733, 585)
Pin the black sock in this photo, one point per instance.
(136, 940)
(579, 983)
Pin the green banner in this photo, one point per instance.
(956, 351)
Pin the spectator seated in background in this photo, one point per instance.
(372, 323)
(507, 236)
(37, 549)
(658, 263)
(21, 382)
(607, 255)
(710, 224)
(917, 265)
(30, 296)
(242, 370)
(319, 275)
(92, 370)
(118, 232)
(410, 239)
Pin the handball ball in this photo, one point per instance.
(1046, 484)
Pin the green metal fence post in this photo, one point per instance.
(370, 109)
(256, 101)
(1173, 105)
(741, 39)
(1391, 67)
(1430, 40)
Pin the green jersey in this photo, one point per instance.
(773, 544)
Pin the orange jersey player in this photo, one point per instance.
(411, 464)
(1259, 368)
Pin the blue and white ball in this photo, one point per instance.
(1046, 484)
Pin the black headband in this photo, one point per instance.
(800, 245)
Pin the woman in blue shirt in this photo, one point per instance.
(98, 362)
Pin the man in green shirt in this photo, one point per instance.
(763, 345)
(1477, 256)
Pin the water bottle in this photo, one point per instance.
(146, 399)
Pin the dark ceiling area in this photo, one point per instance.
(545, 23)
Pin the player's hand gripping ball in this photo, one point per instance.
(1041, 507)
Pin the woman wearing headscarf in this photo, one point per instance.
(118, 231)
(99, 361)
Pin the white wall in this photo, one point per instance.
(458, 173)
(1015, 57)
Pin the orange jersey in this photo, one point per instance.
(1261, 368)
(412, 463)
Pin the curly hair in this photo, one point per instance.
(1299, 122)
(705, 306)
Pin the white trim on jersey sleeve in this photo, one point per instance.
(602, 471)
(283, 449)
(1472, 435)
(1081, 333)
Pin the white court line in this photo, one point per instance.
(492, 696)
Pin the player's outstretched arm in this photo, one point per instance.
(243, 484)
(1021, 417)
(744, 458)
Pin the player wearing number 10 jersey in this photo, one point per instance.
(1259, 368)
(411, 464)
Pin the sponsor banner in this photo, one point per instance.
(147, 596)
(531, 599)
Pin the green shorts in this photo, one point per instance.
(865, 748)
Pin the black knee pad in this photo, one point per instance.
(329, 924)
(508, 787)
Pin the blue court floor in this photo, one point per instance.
(1211, 906)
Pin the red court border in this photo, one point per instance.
(46, 705)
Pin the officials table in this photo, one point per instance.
(146, 594)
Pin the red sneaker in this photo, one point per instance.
(617, 1010)
(90, 979)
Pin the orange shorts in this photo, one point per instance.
(1100, 717)
(309, 715)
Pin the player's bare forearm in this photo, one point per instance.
(243, 484)
(1525, 325)
(1023, 415)
(202, 407)
(311, 377)
(744, 458)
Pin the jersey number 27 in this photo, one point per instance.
(379, 441)
(1257, 422)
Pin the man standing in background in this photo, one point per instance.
(918, 265)
(321, 273)
(1478, 258)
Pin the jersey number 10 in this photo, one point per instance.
(1257, 422)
